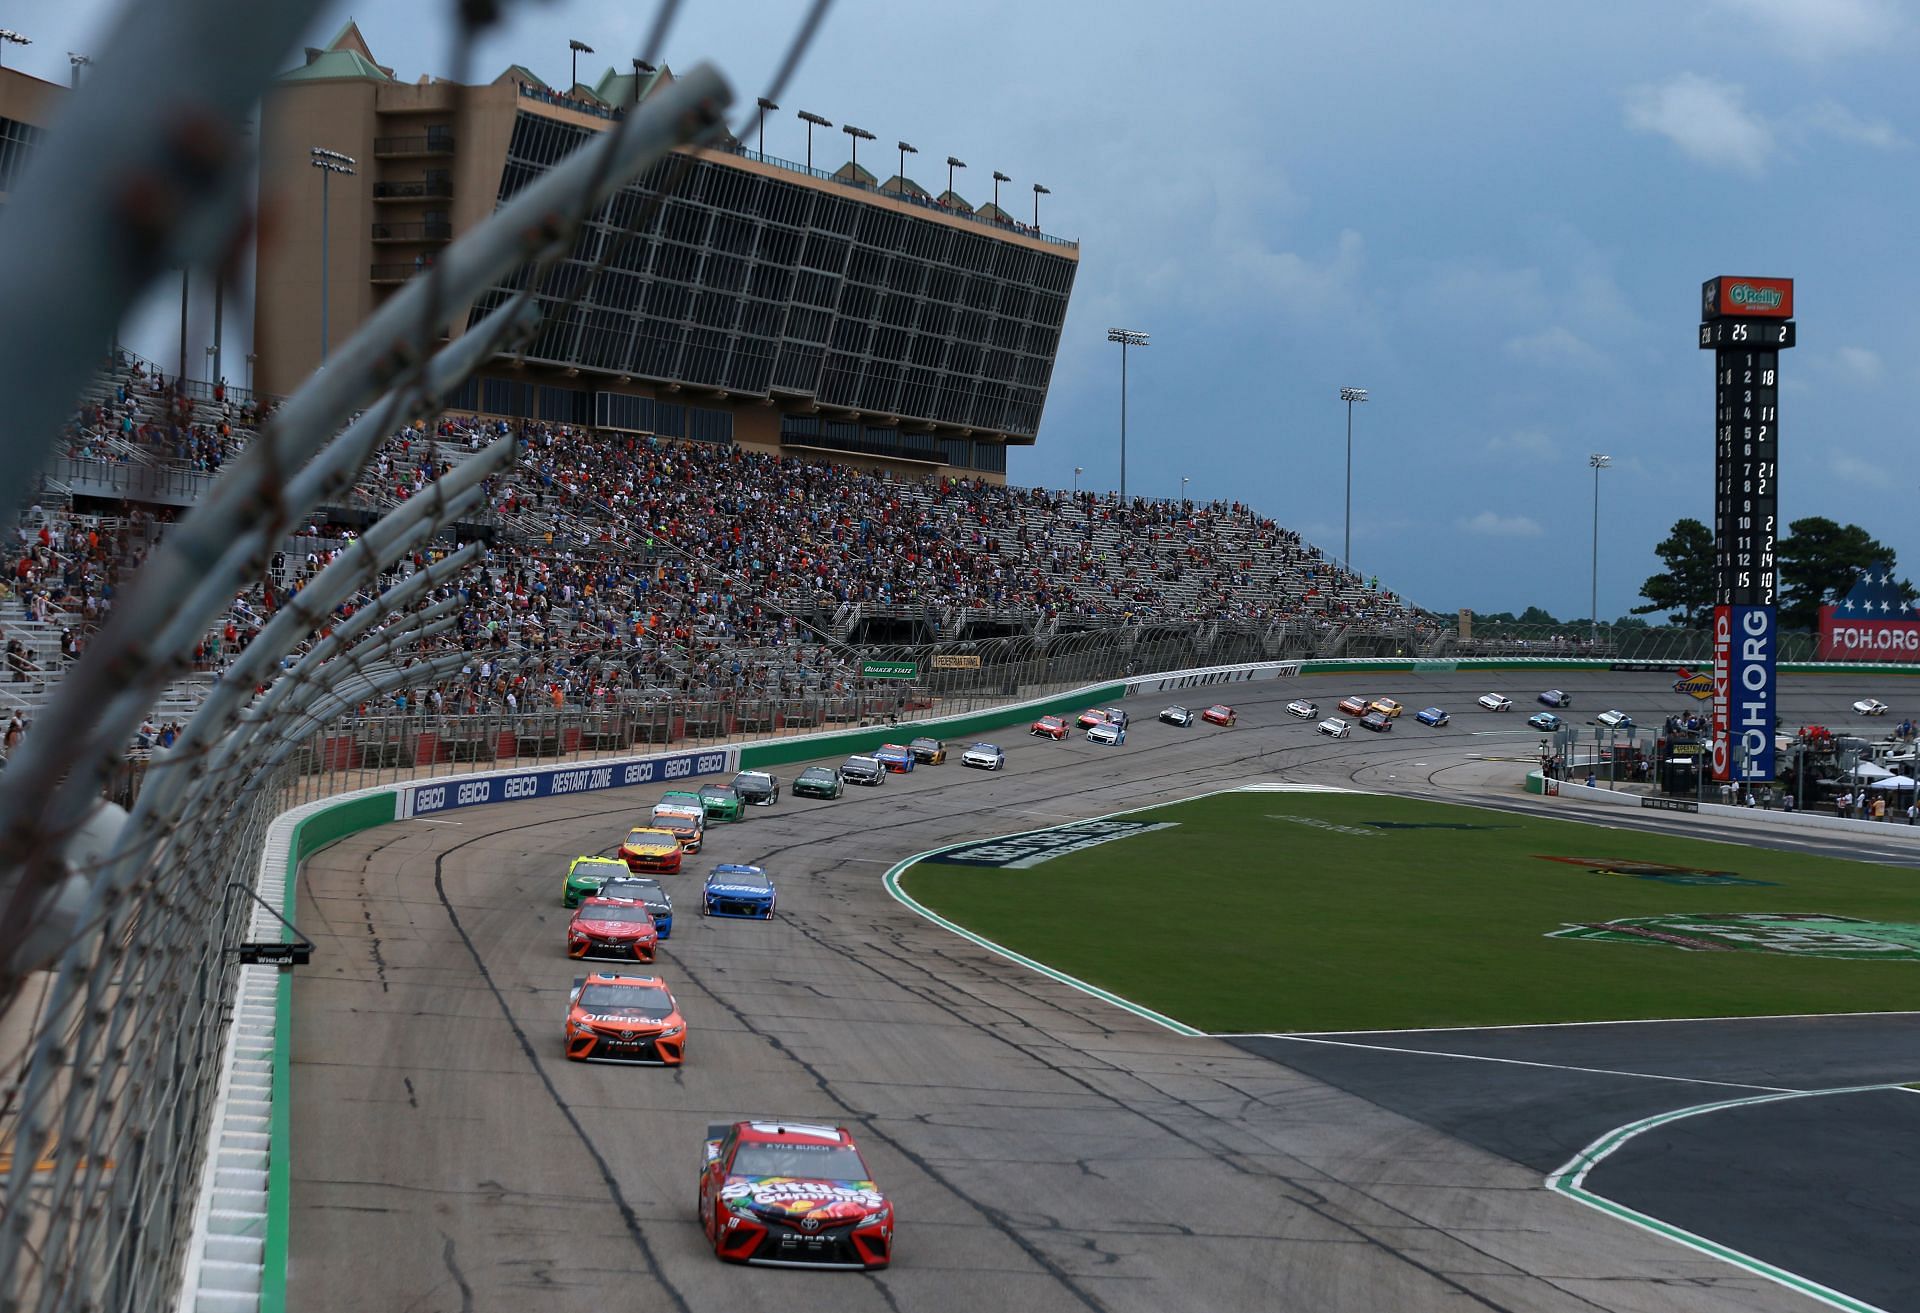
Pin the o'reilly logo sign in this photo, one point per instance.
(1020, 851)
(1749, 297)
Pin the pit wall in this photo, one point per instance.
(237, 1257)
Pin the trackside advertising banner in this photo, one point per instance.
(1845, 638)
(1217, 675)
(1753, 648)
(435, 796)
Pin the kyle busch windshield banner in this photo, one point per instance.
(436, 796)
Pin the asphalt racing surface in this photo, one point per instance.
(1043, 1150)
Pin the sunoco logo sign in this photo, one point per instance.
(1019, 851)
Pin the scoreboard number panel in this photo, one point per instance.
(1746, 323)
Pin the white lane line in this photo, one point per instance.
(1550, 1066)
(425, 821)
(1570, 1181)
(1553, 1025)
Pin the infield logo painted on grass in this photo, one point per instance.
(1794, 934)
(1659, 872)
(1017, 852)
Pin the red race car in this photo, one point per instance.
(1093, 716)
(1051, 727)
(1354, 706)
(619, 928)
(792, 1194)
(1218, 714)
(629, 1019)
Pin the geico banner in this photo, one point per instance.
(1752, 654)
(1217, 675)
(1843, 638)
(436, 796)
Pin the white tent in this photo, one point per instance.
(1866, 770)
(1893, 782)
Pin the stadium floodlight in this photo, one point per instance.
(640, 66)
(1038, 192)
(812, 121)
(1126, 337)
(953, 164)
(1349, 395)
(858, 135)
(1078, 470)
(766, 107)
(998, 178)
(7, 34)
(1599, 462)
(78, 62)
(905, 150)
(578, 48)
(329, 162)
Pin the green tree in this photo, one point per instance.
(1534, 615)
(1685, 591)
(1819, 562)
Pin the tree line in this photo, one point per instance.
(1819, 562)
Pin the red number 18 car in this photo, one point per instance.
(1051, 727)
(1218, 714)
(791, 1194)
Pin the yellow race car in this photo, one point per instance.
(651, 850)
(1386, 707)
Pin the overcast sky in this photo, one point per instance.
(1495, 216)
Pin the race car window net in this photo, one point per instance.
(601, 912)
(834, 1162)
(627, 1001)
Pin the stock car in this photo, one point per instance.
(819, 782)
(1614, 720)
(1049, 727)
(757, 788)
(1495, 702)
(631, 1019)
(1544, 721)
(863, 770)
(1109, 733)
(1219, 714)
(1553, 697)
(722, 802)
(1377, 721)
(738, 891)
(586, 875)
(928, 752)
(619, 928)
(648, 849)
(894, 757)
(681, 798)
(1092, 716)
(1869, 707)
(1302, 708)
(1433, 716)
(984, 756)
(1334, 727)
(1176, 716)
(687, 824)
(792, 1194)
(1354, 706)
(648, 891)
(1119, 717)
(1386, 707)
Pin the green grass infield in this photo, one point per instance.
(1332, 911)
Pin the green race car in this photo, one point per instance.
(818, 782)
(680, 798)
(586, 875)
(722, 802)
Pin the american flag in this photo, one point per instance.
(1876, 593)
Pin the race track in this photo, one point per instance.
(1045, 1151)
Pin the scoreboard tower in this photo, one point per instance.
(1746, 323)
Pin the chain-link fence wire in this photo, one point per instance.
(1607, 642)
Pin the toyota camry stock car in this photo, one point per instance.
(733, 890)
(688, 824)
(896, 757)
(1219, 714)
(1354, 706)
(648, 849)
(1092, 716)
(792, 1194)
(1049, 727)
(928, 752)
(585, 876)
(649, 893)
(618, 928)
(633, 1019)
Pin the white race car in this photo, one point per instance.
(1869, 707)
(1335, 728)
(1108, 733)
(984, 756)
(1494, 702)
(1176, 716)
(1303, 709)
(1615, 719)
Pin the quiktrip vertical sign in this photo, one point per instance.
(1746, 323)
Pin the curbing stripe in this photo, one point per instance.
(1570, 1181)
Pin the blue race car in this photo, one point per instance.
(738, 891)
(894, 757)
(1546, 721)
(1431, 716)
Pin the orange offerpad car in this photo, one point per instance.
(630, 1019)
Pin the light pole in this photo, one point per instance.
(578, 48)
(905, 150)
(766, 107)
(859, 135)
(1078, 470)
(998, 178)
(640, 66)
(1038, 192)
(9, 36)
(813, 121)
(1126, 337)
(209, 366)
(1350, 395)
(329, 162)
(953, 164)
(1599, 463)
(251, 357)
(78, 62)
(1183, 489)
